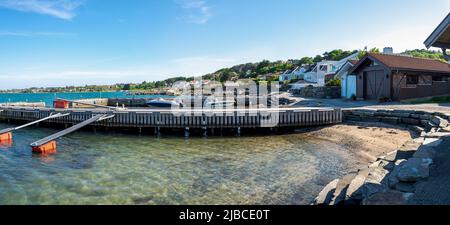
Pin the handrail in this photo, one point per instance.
(69, 130)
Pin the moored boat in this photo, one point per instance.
(163, 103)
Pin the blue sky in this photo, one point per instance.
(78, 42)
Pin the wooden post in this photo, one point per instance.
(186, 132)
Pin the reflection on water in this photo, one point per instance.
(126, 169)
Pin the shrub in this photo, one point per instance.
(334, 83)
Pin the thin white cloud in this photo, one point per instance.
(197, 11)
(62, 9)
(35, 34)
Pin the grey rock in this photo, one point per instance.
(370, 119)
(426, 123)
(377, 175)
(381, 114)
(392, 179)
(388, 197)
(404, 111)
(355, 185)
(414, 169)
(374, 182)
(425, 117)
(437, 134)
(390, 157)
(439, 121)
(416, 129)
(353, 118)
(410, 121)
(432, 142)
(341, 189)
(401, 114)
(425, 152)
(389, 166)
(405, 187)
(326, 195)
(390, 120)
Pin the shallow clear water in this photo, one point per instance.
(49, 97)
(100, 168)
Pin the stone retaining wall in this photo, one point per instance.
(391, 180)
(319, 92)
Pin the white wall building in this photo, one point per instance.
(288, 75)
(348, 81)
(324, 68)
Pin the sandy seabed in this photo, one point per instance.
(368, 140)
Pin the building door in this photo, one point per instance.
(374, 85)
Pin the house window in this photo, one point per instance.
(374, 64)
(412, 79)
(438, 78)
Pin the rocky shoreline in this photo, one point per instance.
(392, 178)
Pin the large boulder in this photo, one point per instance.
(341, 189)
(432, 142)
(326, 195)
(425, 151)
(388, 197)
(375, 182)
(368, 182)
(392, 179)
(405, 187)
(439, 121)
(353, 191)
(414, 169)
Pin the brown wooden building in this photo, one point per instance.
(398, 77)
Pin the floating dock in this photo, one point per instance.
(166, 118)
(187, 119)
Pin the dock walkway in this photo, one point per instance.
(166, 118)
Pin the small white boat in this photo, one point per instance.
(219, 104)
(163, 103)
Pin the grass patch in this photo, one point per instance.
(440, 99)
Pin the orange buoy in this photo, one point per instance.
(6, 136)
(48, 148)
(61, 104)
(6, 144)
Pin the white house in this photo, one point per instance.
(297, 73)
(348, 81)
(327, 68)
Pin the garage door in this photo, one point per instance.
(373, 85)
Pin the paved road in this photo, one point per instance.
(342, 103)
(436, 190)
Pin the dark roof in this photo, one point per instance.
(406, 63)
(440, 37)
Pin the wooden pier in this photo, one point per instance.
(162, 118)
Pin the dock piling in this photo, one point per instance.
(186, 132)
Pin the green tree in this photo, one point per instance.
(306, 60)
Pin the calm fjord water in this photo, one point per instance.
(49, 97)
(112, 168)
